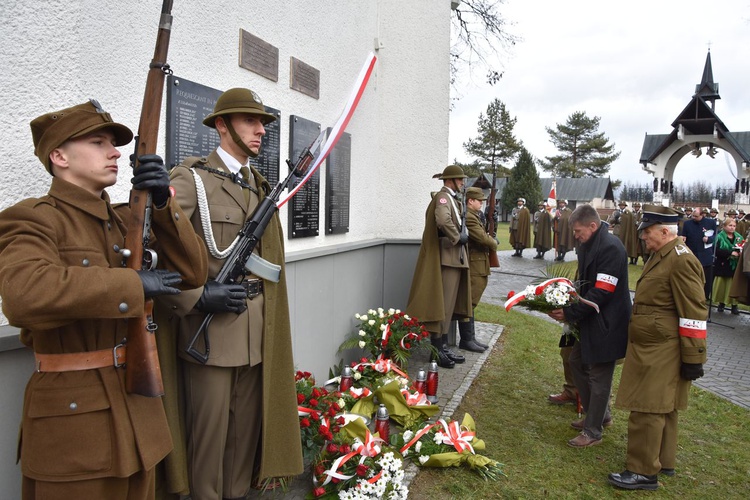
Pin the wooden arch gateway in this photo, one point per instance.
(697, 130)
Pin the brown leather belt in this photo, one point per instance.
(77, 361)
(253, 288)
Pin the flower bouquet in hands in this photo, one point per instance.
(448, 444)
(551, 294)
(388, 334)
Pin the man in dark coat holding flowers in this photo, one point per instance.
(603, 335)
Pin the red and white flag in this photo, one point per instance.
(552, 198)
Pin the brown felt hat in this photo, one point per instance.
(51, 130)
(474, 193)
(238, 100)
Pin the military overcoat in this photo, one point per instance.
(63, 283)
(480, 244)
(520, 228)
(231, 343)
(628, 233)
(667, 328)
(542, 230)
(563, 232)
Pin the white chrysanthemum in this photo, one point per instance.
(408, 435)
(362, 344)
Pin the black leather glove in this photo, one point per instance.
(463, 238)
(219, 298)
(152, 176)
(691, 371)
(159, 282)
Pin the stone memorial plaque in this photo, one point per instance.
(304, 78)
(338, 191)
(259, 56)
(304, 207)
(188, 103)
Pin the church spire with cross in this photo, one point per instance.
(707, 89)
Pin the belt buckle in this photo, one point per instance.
(253, 288)
(114, 355)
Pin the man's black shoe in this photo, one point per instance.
(444, 361)
(667, 472)
(632, 481)
(470, 345)
(455, 357)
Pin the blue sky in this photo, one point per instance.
(634, 64)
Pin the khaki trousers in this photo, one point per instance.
(652, 442)
(223, 427)
(139, 486)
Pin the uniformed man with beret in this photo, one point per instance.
(440, 288)
(480, 244)
(241, 408)
(64, 282)
(666, 350)
(520, 227)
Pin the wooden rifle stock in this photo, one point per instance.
(494, 261)
(142, 373)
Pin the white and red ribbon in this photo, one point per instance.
(383, 365)
(339, 127)
(456, 436)
(417, 437)
(415, 399)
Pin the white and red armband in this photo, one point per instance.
(606, 282)
(693, 328)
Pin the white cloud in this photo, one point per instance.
(633, 64)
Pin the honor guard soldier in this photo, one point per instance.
(520, 227)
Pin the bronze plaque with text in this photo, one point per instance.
(304, 78)
(259, 56)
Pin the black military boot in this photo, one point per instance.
(735, 310)
(538, 255)
(442, 360)
(467, 342)
(453, 356)
(720, 308)
(474, 336)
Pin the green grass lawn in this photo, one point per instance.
(508, 401)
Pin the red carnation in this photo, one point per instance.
(511, 294)
(304, 422)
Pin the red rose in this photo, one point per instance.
(511, 294)
(332, 448)
(335, 406)
(362, 470)
(313, 403)
(345, 448)
(304, 423)
(319, 469)
(300, 399)
(407, 345)
(340, 420)
(319, 492)
(315, 416)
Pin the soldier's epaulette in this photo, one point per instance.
(681, 249)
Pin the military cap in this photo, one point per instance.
(238, 100)
(636, 204)
(522, 200)
(741, 212)
(732, 212)
(622, 204)
(704, 211)
(714, 210)
(541, 204)
(51, 130)
(562, 201)
(474, 193)
(453, 172)
(656, 214)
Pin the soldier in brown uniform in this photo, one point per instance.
(65, 285)
(666, 350)
(563, 234)
(241, 409)
(542, 231)
(441, 284)
(480, 244)
(520, 227)
(637, 216)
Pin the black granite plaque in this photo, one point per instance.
(304, 218)
(259, 56)
(188, 103)
(338, 176)
(304, 78)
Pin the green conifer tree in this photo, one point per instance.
(523, 183)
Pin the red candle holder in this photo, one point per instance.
(432, 382)
(421, 383)
(346, 379)
(382, 423)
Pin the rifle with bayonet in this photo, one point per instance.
(242, 261)
(143, 373)
(464, 233)
(491, 230)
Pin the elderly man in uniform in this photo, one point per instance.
(66, 285)
(241, 411)
(440, 288)
(603, 332)
(520, 226)
(666, 350)
(542, 231)
(564, 241)
(480, 244)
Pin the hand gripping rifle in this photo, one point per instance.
(242, 260)
(494, 261)
(143, 374)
